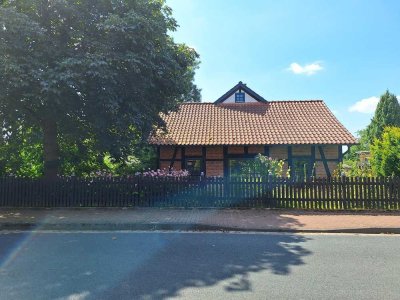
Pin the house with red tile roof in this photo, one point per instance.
(213, 138)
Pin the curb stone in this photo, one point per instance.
(178, 227)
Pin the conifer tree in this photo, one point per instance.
(387, 114)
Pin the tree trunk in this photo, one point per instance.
(51, 150)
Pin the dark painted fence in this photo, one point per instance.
(320, 194)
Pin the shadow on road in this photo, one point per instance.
(208, 260)
(142, 265)
(191, 260)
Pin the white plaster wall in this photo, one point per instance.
(247, 98)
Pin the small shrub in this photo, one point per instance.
(164, 173)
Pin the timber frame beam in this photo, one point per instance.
(324, 161)
(173, 158)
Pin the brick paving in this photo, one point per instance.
(200, 219)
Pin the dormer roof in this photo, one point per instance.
(240, 87)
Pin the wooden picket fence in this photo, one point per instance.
(320, 194)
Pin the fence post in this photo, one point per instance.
(343, 188)
(226, 187)
(139, 190)
(269, 190)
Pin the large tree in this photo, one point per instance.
(101, 69)
(387, 114)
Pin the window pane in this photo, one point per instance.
(239, 97)
(193, 166)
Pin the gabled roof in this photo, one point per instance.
(271, 123)
(240, 86)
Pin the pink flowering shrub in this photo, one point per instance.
(164, 173)
(149, 173)
(101, 173)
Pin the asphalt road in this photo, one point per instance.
(129, 265)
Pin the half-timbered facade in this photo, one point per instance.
(212, 138)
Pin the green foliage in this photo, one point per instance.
(363, 145)
(354, 169)
(142, 158)
(385, 153)
(387, 114)
(79, 158)
(82, 159)
(351, 160)
(21, 153)
(100, 71)
(263, 166)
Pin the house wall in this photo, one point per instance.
(193, 151)
(214, 168)
(215, 158)
(255, 149)
(235, 149)
(214, 152)
(330, 151)
(302, 150)
(278, 152)
(332, 155)
(214, 161)
(167, 152)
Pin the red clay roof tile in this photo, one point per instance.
(275, 122)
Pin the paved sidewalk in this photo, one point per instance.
(198, 219)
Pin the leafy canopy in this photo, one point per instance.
(101, 70)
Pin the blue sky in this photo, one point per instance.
(344, 52)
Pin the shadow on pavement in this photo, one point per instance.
(141, 265)
(208, 260)
(188, 261)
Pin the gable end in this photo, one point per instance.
(241, 87)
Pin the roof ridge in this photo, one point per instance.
(297, 100)
(196, 103)
(256, 103)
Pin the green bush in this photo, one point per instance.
(262, 166)
(385, 153)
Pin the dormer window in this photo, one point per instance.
(239, 97)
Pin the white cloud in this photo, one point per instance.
(309, 69)
(366, 106)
